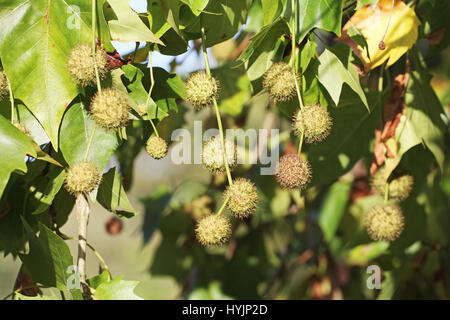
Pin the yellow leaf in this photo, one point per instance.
(373, 21)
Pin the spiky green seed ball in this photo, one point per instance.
(212, 155)
(293, 172)
(200, 90)
(400, 185)
(22, 128)
(385, 222)
(82, 177)
(110, 108)
(4, 90)
(314, 122)
(156, 147)
(80, 64)
(279, 81)
(242, 198)
(213, 230)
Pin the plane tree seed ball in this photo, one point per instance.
(212, 154)
(110, 108)
(400, 185)
(200, 90)
(82, 177)
(314, 122)
(242, 197)
(156, 147)
(213, 230)
(4, 88)
(279, 81)
(80, 64)
(293, 172)
(385, 222)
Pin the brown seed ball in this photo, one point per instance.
(82, 177)
(110, 108)
(4, 88)
(279, 81)
(400, 185)
(213, 230)
(385, 222)
(314, 122)
(114, 226)
(156, 147)
(293, 172)
(80, 64)
(242, 198)
(200, 90)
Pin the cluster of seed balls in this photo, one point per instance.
(109, 109)
(386, 222)
(241, 196)
(312, 123)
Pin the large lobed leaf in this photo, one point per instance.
(15, 146)
(35, 40)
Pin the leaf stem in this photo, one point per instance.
(11, 98)
(94, 46)
(300, 144)
(294, 60)
(216, 109)
(152, 80)
(223, 205)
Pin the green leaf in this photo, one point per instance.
(259, 53)
(425, 112)
(270, 9)
(349, 140)
(222, 19)
(333, 208)
(76, 132)
(48, 259)
(196, 6)
(112, 195)
(168, 87)
(364, 253)
(323, 14)
(96, 281)
(36, 65)
(51, 296)
(47, 187)
(129, 27)
(15, 146)
(334, 71)
(234, 88)
(117, 289)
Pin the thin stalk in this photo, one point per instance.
(98, 255)
(216, 109)
(11, 98)
(294, 60)
(94, 46)
(152, 80)
(223, 205)
(300, 145)
(89, 143)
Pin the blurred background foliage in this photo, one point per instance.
(294, 247)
